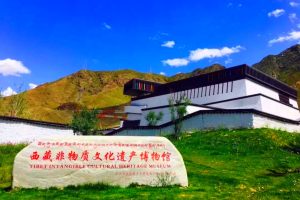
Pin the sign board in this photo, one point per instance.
(113, 160)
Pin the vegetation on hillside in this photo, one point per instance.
(285, 67)
(53, 101)
(221, 164)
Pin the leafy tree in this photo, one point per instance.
(178, 111)
(85, 122)
(154, 118)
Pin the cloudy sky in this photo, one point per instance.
(41, 42)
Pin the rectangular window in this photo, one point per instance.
(231, 86)
(207, 90)
(227, 87)
(202, 91)
(213, 90)
(222, 88)
(284, 99)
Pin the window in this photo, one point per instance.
(227, 87)
(223, 88)
(202, 91)
(232, 86)
(284, 99)
(194, 93)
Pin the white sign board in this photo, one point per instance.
(113, 160)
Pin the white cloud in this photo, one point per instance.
(276, 13)
(168, 44)
(176, 62)
(10, 67)
(200, 54)
(106, 26)
(293, 17)
(292, 36)
(32, 85)
(162, 73)
(8, 92)
(294, 4)
(228, 61)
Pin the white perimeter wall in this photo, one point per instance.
(19, 132)
(264, 122)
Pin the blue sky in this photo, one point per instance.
(42, 41)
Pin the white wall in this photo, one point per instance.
(19, 132)
(213, 93)
(133, 109)
(245, 103)
(263, 104)
(134, 116)
(294, 103)
(276, 108)
(200, 122)
(217, 121)
(264, 122)
(255, 88)
(166, 114)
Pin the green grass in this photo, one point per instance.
(223, 164)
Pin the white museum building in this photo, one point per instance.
(236, 97)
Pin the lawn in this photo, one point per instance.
(222, 164)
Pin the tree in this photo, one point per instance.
(17, 104)
(178, 111)
(154, 118)
(85, 122)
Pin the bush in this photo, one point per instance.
(85, 122)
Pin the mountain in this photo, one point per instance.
(285, 67)
(198, 71)
(56, 101)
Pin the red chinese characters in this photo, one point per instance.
(144, 156)
(34, 156)
(47, 155)
(85, 156)
(72, 156)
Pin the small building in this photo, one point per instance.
(237, 97)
